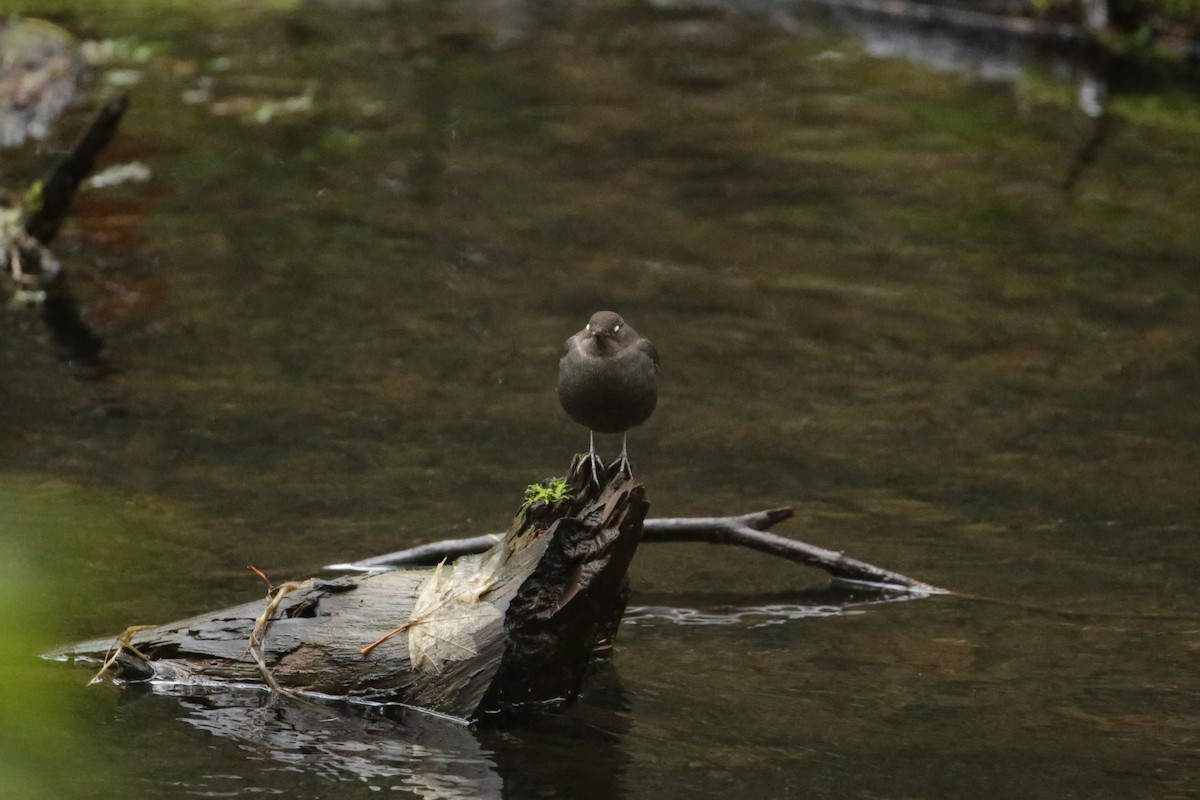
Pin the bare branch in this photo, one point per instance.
(745, 530)
(841, 567)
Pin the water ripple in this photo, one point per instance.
(753, 616)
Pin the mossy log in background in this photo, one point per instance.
(503, 630)
(27, 230)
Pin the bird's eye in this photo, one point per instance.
(616, 328)
(589, 327)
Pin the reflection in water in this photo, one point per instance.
(988, 58)
(944, 39)
(387, 747)
(583, 753)
(981, 46)
(397, 749)
(833, 602)
(985, 47)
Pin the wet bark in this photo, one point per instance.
(503, 630)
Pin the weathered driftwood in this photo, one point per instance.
(512, 627)
(746, 530)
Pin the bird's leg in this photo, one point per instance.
(594, 464)
(621, 465)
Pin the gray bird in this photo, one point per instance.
(607, 381)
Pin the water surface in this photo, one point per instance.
(891, 296)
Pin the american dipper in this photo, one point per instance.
(606, 381)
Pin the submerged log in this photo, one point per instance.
(503, 630)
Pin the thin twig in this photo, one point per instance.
(258, 635)
(414, 621)
(367, 650)
(123, 643)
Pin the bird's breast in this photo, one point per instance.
(608, 394)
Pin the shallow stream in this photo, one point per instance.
(948, 311)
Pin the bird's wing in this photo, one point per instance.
(647, 347)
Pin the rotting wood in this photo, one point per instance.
(507, 629)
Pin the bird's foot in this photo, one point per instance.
(621, 467)
(592, 466)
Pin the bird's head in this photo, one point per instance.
(606, 325)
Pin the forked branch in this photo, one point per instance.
(745, 530)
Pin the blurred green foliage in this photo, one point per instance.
(1179, 16)
(41, 752)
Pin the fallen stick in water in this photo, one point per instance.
(745, 530)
